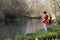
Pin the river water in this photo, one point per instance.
(25, 27)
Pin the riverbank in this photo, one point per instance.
(53, 33)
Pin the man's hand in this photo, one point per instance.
(41, 21)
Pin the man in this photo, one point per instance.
(45, 21)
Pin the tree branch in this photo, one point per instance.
(30, 17)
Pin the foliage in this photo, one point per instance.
(18, 37)
(18, 20)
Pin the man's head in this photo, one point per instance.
(44, 12)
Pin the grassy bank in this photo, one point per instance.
(53, 30)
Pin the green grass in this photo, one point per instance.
(52, 30)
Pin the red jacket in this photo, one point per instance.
(46, 19)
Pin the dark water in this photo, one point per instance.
(24, 27)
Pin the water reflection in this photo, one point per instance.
(33, 25)
(26, 26)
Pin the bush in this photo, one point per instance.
(18, 19)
